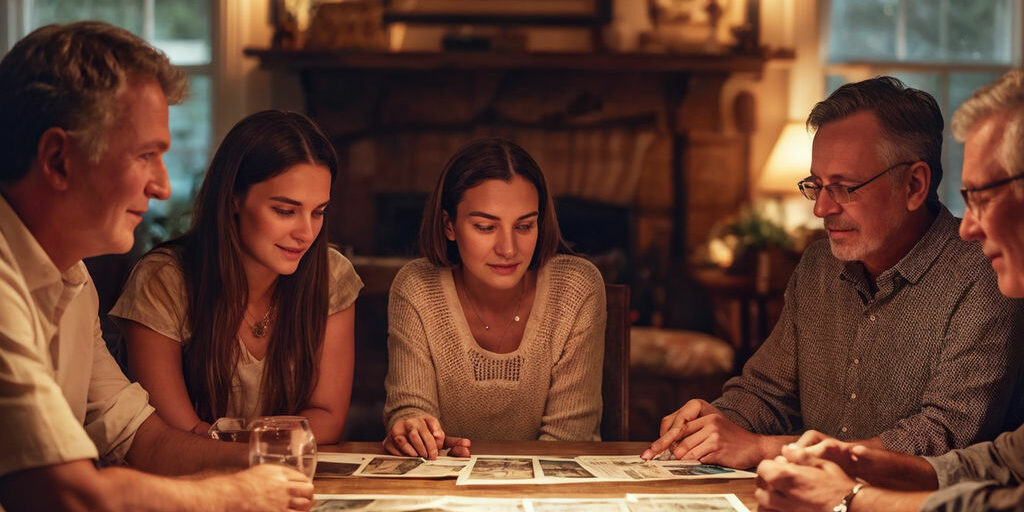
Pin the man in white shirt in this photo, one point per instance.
(83, 127)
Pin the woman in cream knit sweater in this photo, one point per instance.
(498, 333)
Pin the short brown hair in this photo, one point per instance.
(478, 161)
(69, 76)
(910, 119)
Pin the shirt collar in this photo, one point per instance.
(37, 269)
(920, 258)
(924, 253)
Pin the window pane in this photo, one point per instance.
(186, 164)
(182, 30)
(924, 38)
(979, 30)
(123, 13)
(961, 87)
(862, 29)
(190, 138)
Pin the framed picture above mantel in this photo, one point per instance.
(501, 12)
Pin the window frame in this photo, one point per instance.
(861, 69)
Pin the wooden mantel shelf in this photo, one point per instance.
(614, 62)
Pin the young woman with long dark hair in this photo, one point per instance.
(498, 333)
(250, 312)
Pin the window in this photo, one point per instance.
(948, 48)
(182, 30)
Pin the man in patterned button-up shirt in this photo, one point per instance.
(987, 476)
(893, 332)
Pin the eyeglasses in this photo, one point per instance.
(975, 203)
(841, 194)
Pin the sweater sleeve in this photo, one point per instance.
(411, 383)
(573, 408)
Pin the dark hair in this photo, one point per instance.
(910, 119)
(69, 76)
(256, 149)
(478, 161)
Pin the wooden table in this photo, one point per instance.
(742, 488)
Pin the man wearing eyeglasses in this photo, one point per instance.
(893, 333)
(985, 476)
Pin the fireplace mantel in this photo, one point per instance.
(306, 60)
(392, 112)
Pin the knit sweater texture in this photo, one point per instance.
(549, 388)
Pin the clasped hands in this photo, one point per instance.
(422, 436)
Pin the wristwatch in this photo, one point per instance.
(844, 505)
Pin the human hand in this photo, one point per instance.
(422, 436)
(266, 487)
(855, 459)
(699, 431)
(814, 486)
(672, 426)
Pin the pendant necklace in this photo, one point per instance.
(259, 329)
(476, 311)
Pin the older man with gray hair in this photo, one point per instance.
(817, 472)
(83, 128)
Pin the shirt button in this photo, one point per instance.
(842, 429)
(853, 396)
(872, 317)
(856, 360)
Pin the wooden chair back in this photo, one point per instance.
(615, 377)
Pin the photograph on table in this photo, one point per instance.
(501, 468)
(563, 468)
(411, 467)
(685, 503)
(392, 503)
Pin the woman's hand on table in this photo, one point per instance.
(422, 436)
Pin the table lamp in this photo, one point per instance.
(788, 163)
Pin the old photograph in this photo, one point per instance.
(563, 468)
(502, 468)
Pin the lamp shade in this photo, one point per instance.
(789, 161)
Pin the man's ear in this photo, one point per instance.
(919, 179)
(449, 228)
(52, 155)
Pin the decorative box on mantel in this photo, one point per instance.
(646, 133)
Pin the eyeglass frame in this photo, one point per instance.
(967, 192)
(832, 188)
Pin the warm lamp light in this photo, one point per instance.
(789, 161)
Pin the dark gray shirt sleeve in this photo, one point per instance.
(984, 476)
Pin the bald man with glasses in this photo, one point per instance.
(893, 333)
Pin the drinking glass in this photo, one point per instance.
(283, 440)
(229, 429)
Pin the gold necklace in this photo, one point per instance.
(259, 329)
(476, 312)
